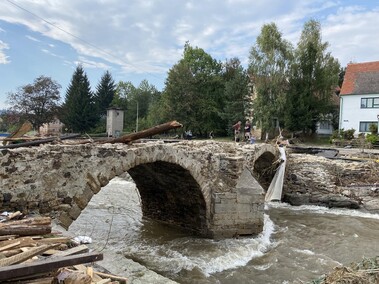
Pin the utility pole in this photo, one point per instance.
(137, 118)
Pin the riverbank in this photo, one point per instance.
(104, 220)
(114, 262)
(116, 228)
(349, 180)
(290, 243)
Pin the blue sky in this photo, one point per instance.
(137, 40)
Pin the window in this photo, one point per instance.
(364, 126)
(370, 102)
(325, 124)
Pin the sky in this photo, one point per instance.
(139, 40)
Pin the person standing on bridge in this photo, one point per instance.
(237, 131)
(247, 132)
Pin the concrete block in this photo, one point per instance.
(83, 199)
(244, 207)
(75, 212)
(64, 220)
(225, 208)
(93, 184)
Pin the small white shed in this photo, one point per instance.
(115, 121)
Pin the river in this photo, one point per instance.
(297, 245)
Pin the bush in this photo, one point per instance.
(372, 138)
(348, 134)
(373, 128)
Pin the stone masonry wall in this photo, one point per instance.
(60, 180)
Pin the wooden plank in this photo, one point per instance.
(104, 281)
(28, 221)
(27, 227)
(11, 252)
(7, 237)
(43, 280)
(26, 230)
(16, 243)
(60, 240)
(51, 252)
(24, 242)
(43, 266)
(90, 271)
(24, 255)
(14, 215)
(113, 277)
(71, 251)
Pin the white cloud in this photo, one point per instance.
(4, 59)
(352, 33)
(87, 63)
(32, 38)
(148, 36)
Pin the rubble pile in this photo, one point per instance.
(31, 253)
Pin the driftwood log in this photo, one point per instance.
(146, 133)
(43, 266)
(27, 227)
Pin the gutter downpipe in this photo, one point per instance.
(340, 120)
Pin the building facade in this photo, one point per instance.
(115, 121)
(52, 128)
(359, 97)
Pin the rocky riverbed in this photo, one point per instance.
(350, 180)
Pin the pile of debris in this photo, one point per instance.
(31, 253)
(364, 272)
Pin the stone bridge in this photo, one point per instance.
(213, 189)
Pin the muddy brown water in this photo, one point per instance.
(298, 244)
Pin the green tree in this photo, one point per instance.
(237, 96)
(139, 102)
(9, 121)
(105, 92)
(79, 110)
(135, 100)
(315, 75)
(269, 68)
(194, 92)
(37, 102)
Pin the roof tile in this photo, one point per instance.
(361, 78)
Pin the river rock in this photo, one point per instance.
(341, 183)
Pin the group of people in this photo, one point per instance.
(246, 131)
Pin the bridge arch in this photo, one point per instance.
(207, 187)
(170, 194)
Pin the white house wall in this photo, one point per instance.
(351, 113)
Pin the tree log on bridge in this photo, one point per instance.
(146, 133)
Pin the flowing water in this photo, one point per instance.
(297, 245)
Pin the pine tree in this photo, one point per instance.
(105, 92)
(237, 104)
(79, 111)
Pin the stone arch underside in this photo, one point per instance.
(264, 170)
(170, 194)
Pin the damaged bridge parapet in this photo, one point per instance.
(211, 188)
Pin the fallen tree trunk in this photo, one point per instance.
(26, 227)
(146, 133)
(38, 142)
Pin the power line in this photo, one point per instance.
(79, 38)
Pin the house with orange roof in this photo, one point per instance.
(359, 97)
